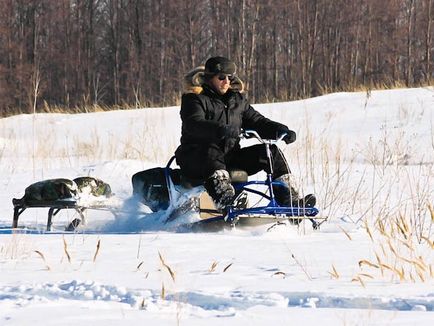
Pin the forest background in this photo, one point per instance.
(85, 55)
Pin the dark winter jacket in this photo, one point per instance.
(203, 116)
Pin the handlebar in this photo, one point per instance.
(253, 134)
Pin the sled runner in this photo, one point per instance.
(168, 189)
(59, 194)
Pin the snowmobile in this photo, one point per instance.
(167, 189)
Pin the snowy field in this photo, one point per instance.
(367, 156)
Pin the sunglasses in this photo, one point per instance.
(223, 77)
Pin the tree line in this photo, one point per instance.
(80, 53)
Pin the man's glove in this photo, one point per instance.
(228, 131)
(290, 137)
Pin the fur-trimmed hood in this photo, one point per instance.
(194, 80)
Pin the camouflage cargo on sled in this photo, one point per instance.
(93, 186)
(50, 190)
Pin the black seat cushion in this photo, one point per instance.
(237, 176)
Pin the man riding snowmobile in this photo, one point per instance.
(213, 114)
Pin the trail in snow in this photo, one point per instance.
(239, 300)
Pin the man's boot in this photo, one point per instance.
(287, 195)
(220, 189)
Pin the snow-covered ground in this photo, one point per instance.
(368, 156)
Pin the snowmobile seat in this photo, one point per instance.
(237, 176)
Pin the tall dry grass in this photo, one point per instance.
(48, 151)
(377, 186)
(384, 186)
(44, 107)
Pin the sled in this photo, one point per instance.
(167, 189)
(60, 194)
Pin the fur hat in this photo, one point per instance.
(220, 65)
(195, 78)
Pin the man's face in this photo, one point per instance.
(221, 83)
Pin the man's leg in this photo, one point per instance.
(254, 159)
(208, 164)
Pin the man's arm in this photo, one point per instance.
(266, 128)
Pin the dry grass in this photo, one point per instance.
(163, 291)
(227, 267)
(346, 233)
(65, 249)
(40, 254)
(383, 187)
(279, 273)
(368, 87)
(98, 246)
(357, 278)
(139, 265)
(17, 247)
(302, 267)
(213, 266)
(73, 149)
(334, 273)
(167, 267)
(92, 108)
(376, 180)
(375, 186)
(399, 256)
(174, 99)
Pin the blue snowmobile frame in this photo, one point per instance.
(273, 210)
